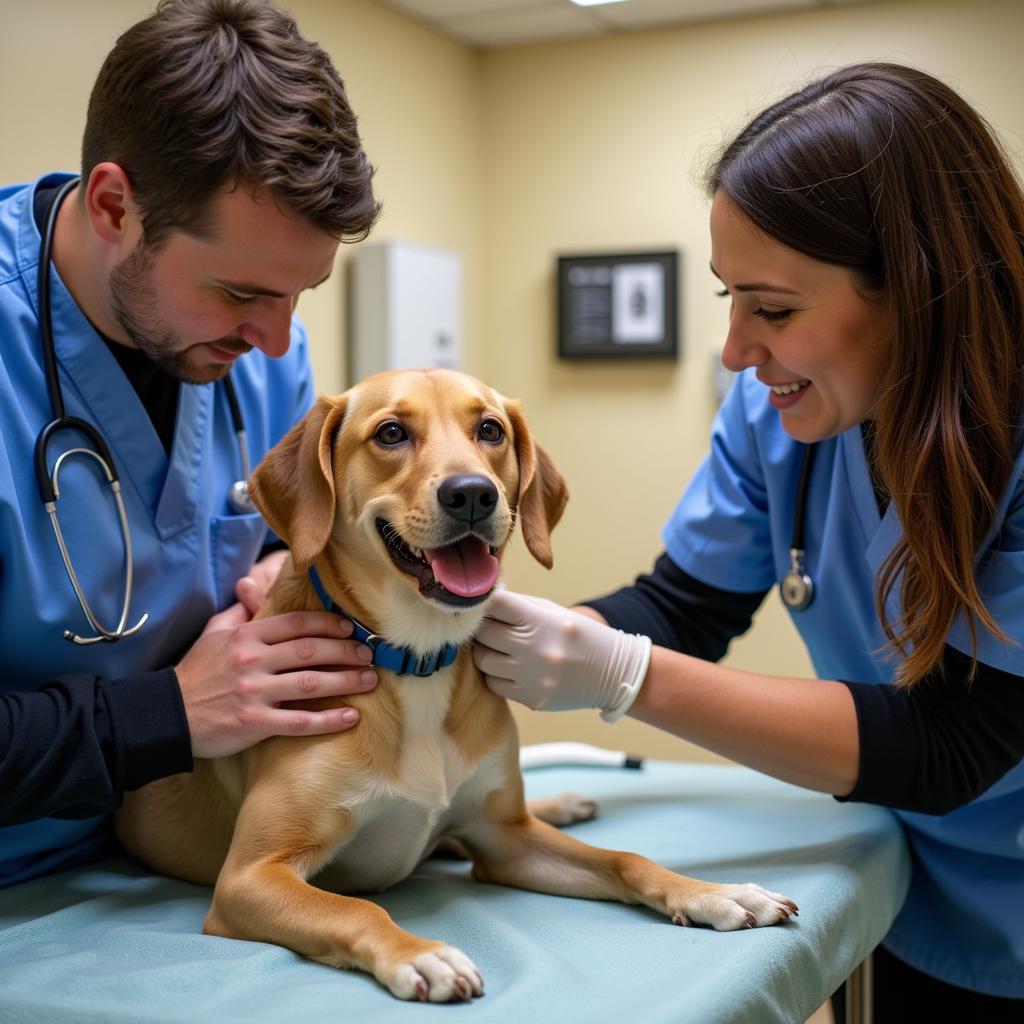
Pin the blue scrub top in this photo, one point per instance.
(963, 920)
(189, 548)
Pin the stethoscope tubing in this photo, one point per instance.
(47, 480)
(60, 421)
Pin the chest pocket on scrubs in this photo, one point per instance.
(235, 543)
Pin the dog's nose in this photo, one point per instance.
(469, 498)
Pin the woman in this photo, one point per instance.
(868, 233)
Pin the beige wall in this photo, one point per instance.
(514, 156)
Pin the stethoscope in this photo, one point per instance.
(238, 495)
(797, 587)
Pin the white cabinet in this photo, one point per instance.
(406, 308)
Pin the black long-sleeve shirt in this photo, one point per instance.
(72, 748)
(932, 748)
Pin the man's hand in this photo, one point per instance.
(553, 659)
(239, 672)
(252, 589)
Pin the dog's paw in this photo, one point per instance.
(727, 908)
(440, 975)
(563, 809)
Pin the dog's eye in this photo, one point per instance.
(391, 433)
(491, 431)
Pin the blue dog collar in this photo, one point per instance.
(399, 660)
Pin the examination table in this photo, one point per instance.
(111, 943)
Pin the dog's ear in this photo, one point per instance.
(293, 486)
(542, 489)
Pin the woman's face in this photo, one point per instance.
(818, 343)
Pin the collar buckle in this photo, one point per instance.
(425, 665)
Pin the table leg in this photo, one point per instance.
(858, 994)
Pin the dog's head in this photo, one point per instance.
(410, 485)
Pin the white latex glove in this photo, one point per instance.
(553, 659)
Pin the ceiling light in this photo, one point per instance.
(595, 3)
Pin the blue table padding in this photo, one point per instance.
(110, 943)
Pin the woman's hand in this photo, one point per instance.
(551, 658)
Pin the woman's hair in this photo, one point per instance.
(887, 171)
(205, 95)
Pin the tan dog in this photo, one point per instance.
(403, 493)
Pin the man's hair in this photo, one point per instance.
(886, 170)
(205, 95)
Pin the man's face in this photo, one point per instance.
(194, 306)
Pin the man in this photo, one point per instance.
(221, 167)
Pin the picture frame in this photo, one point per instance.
(618, 306)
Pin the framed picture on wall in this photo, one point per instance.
(621, 306)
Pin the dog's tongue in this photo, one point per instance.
(467, 568)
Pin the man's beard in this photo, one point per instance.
(134, 306)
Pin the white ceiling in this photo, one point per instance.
(494, 23)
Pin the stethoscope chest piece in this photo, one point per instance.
(796, 588)
(239, 500)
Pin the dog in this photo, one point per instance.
(401, 494)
